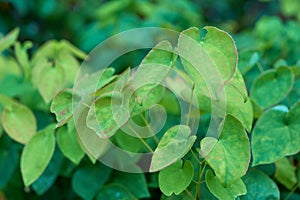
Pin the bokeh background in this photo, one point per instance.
(266, 32)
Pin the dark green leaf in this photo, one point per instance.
(259, 186)
(276, 134)
(272, 86)
(89, 178)
(114, 192)
(135, 183)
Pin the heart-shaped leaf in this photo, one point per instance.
(175, 143)
(169, 177)
(37, 154)
(236, 189)
(228, 156)
(259, 186)
(276, 134)
(210, 62)
(19, 122)
(272, 86)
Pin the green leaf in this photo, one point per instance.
(51, 80)
(205, 59)
(9, 39)
(237, 102)
(155, 66)
(37, 154)
(89, 178)
(229, 156)
(71, 48)
(272, 86)
(105, 78)
(90, 142)
(23, 58)
(47, 179)
(231, 192)
(68, 143)
(150, 95)
(107, 114)
(285, 173)
(18, 122)
(176, 178)
(70, 66)
(259, 186)
(62, 106)
(114, 192)
(128, 142)
(9, 159)
(175, 143)
(135, 183)
(276, 134)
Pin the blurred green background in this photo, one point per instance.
(266, 32)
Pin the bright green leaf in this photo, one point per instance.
(155, 66)
(208, 60)
(47, 179)
(51, 80)
(37, 154)
(9, 39)
(19, 122)
(107, 114)
(62, 106)
(229, 156)
(231, 192)
(176, 178)
(175, 143)
(68, 143)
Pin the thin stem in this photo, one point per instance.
(141, 139)
(261, 69)
(189, 193)
(190, 106)
(291, 192)
(195, 156)
(150, 129)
